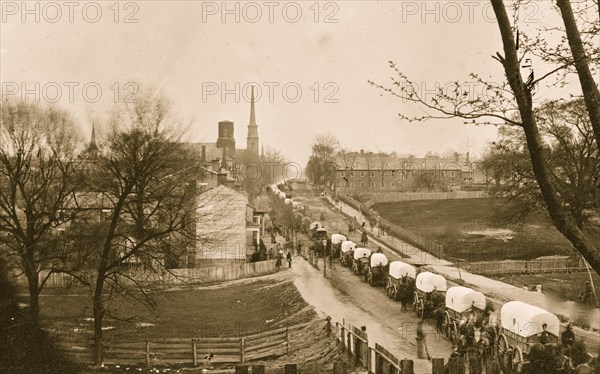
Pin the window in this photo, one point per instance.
(362, 173)
(343, 174)
(372, 173)
(351, 174)
(392, 184)
(393, 173)
(382, 184)
(452, 173)
(352, 184)
(362, 184)
(372, 184)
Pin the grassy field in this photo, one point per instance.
(564, 286)
(471, 229)
(185, 313)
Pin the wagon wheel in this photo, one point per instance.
(454, 336)
(394, 293)
(447, 327)
(517, 360)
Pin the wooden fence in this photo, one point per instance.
(192, 351)
(204, 275)
(432, 247)
(388, 197)
(559, 265)
(379, 360)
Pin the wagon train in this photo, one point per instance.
(400, 283)
(361, 260)
(377, 271)
(429, 293)
(526, 331)
(347, 253)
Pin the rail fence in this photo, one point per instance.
(153, 352)
(203, 275)
(559, 265)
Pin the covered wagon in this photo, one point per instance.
(336, 242)
(361, 260)
(377, 271)
(523, 326)
(347, 252)
(429, 293)
(465, 309)
(401, 281)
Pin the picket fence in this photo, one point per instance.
(389, 197)
(204, 275)
(192, 351)
(559, 265)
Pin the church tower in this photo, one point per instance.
(252, 140)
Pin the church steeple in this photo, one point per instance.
(93, 147)
(252, 139)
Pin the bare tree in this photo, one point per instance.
(508, 103)
(150, 198)
(322, 167)
(37, 180)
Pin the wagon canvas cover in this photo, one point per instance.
(460, 299)
(361, 252)
(337, 238)
(427, 282)
(398, 269)
(526, 320)
(348, 246)
(378, 259)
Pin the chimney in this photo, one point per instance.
(203, 159)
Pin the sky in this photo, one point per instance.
(310, 62)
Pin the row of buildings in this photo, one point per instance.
(381, 172)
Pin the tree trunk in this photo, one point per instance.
(34, 300)
(589, 87)
(98, 305)
(561, 218)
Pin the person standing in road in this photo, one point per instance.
(420, 341)
(289, 259)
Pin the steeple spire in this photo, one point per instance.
(93, 147)
(252, 115)
(252, 139)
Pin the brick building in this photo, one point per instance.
(368, 171)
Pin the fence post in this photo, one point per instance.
(339, 367)
(194, 352)
(437, 366)
(148, 352)
(258, 369)
(456, 365)
(242, 353)
(287, 340)
(475, 365)
(491, 367)
(241, 369)
(407, 367)
(291, 369)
